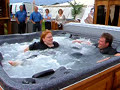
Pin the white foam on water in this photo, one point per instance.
(46, 59)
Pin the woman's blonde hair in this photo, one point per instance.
(43, 35)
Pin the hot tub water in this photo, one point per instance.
(70, 55)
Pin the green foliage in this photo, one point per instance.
(5, 29)
(76, 8)
(43, 25)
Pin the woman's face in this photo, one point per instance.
(60, 12)
(46, 11)
(48, 39)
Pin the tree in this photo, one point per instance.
(76, 8)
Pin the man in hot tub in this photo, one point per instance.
(104, 44)
(46, 42)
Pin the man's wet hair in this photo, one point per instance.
(108, 38)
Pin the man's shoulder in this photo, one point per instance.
(39, 13)
(32, 13)
(17, 12)
(112, 51)
(109, 50)
(24, 11)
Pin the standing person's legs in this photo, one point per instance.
(19, 28)
(34, 27)
(23, 27)
(60, 26)
(48, 25)
(39, 26)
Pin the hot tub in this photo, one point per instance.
(62, 77)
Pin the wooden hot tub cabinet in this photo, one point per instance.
(108, 79)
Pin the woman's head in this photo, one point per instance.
(46, 37)
(60, 11)
(47, 10)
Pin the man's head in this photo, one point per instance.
(36, 9)
(105, 41)
(21, 7)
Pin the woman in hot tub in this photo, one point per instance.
(46, 42)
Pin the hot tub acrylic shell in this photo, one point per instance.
(62, 76)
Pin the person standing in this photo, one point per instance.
(60, 19)
(36, 19)
(21, 18)
(47, 19)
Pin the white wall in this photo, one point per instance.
(66, 12)
(53, 10)
(15, 7)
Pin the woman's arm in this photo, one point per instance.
(78, 41)
(15, 63)
(56, 19)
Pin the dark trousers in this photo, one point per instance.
(48, 25)
(37, 25)
(60, 26)
(21, 27)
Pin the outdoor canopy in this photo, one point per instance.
(41, 2)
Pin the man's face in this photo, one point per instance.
(21, 8)
(102, 43)
(48, 39)
(36, 9)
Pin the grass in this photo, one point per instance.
(43, 26)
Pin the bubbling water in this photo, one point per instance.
(70, 55)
